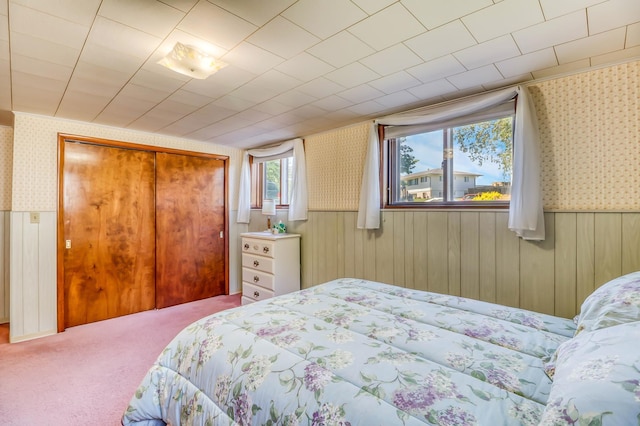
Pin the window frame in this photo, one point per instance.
(391, 163)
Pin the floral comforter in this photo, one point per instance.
(354, 352)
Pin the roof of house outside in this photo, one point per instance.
(436, 172)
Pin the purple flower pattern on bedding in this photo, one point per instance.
(597, 377)
(355, 352)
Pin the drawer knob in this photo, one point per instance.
(256, 294)
(265, 249)
(246, 246)
(256, 278)
(256, 263)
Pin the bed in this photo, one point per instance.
(357, 352)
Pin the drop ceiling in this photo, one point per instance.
(295, 67)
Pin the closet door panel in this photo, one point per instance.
(109, 230)
(190, 221)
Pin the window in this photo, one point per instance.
(275, 181)
(462, 163)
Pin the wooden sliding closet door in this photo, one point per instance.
(109, 231)
(190, 222)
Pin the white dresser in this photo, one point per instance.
(270, 265)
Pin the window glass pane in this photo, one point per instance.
(420, 160)
(465, 163)
(278, 180)
(271, 181)
(482, 156)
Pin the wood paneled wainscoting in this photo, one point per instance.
(473, 254)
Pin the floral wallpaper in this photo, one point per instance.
(590, 134)
(6, 169)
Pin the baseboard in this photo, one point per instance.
(31, 336)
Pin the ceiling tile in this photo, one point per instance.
(265, 86)
(441, 41)
(220, 83)
(392, 59)
(258, 12)
(613, 14)
(397, 99)
(162, 82)
(320, 87)
(47, 27)
(283, 38)
(111, 58)
(153, 121)
(361, 93)
(437, 69)
(332, 103)
(503, 18)
(562, 69)
(395, 82)
(387, 27)
(615, 57)
(216, 25)
(183, 5)
(367, 108)
(550, 33)
(113, 35)
(554, 8)
(324, 18)
(234, 104)
(372, 6)
(304, 67)
(90, 78)
(30, 85)
(191, 99)
(591, 46)
(121, 109)
(294, 98)
(352, 75)
(45, 50)
(80, 105)
(633, 35)
(341, 49)
(172, 109)
(488, 52)
(538, 60)
(27, 65)
(252, 58)
(475, 77)
(307, 112)
(433, 13)
(154, 18)
(272, 107)
(79, 12)
(142, 93)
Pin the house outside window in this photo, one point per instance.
(465, 163)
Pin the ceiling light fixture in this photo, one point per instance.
(192, 62)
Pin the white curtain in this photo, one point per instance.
(369, 207)
(299, 201)
(525, 210)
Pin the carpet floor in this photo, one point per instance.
(87, 374)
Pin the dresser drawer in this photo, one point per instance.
(258, 278)
(255, 292)
(260, 263)
(261, 247)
